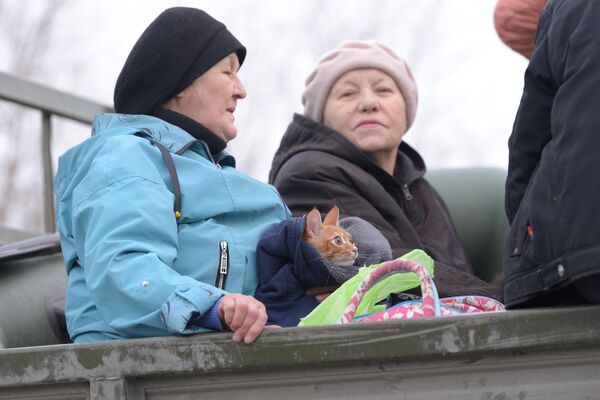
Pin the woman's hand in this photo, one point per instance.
(244, 315)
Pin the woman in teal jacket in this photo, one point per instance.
(158, 228)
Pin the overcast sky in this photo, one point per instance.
(469, 82)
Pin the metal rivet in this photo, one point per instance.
(561, 270)
(516, 251)
(145, 283)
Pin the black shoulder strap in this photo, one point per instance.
(172, 172)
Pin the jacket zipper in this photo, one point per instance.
(223, 265)
(406, 191)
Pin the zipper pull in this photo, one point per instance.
(223, 265)
(224, 261)
(407, 194)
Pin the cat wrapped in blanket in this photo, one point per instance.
(334, 243)
(306, 252)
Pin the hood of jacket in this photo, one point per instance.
(304, 134)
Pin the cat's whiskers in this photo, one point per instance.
(344, 263)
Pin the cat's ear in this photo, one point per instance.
(313, 223)
(332, 217)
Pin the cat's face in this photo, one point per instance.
(334, 244)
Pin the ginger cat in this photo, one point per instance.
(333, 243)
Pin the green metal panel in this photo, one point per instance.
(24, 286)
(475, 198)
(532, 354)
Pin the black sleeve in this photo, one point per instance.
(558, 117)
(531, 129)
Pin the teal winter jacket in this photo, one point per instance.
(134, 269)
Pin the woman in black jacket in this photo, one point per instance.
(347, 150)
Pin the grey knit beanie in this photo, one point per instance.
(351, 55)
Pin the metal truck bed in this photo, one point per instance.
(532, 354)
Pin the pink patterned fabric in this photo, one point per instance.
(429, 306)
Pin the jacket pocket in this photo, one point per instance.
(521, 240)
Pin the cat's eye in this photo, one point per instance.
(338, 240)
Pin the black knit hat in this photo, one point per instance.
(177, 47)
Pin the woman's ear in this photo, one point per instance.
(312, 225)
(332, 217)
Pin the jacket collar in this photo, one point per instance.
(194, 128)
(305, 134)
(175, 138)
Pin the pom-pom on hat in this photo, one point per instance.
(351, 55)
(177, 47)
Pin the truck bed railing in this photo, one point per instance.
(49, 102)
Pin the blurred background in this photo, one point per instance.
(469, 82)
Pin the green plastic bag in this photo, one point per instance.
(332, 308)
